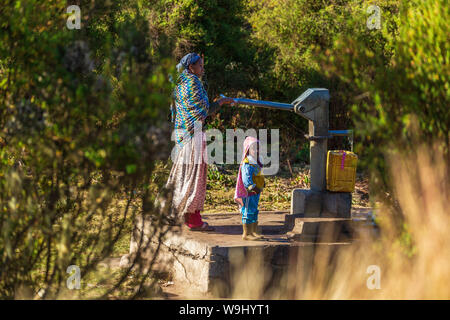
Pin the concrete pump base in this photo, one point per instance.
(309, 203)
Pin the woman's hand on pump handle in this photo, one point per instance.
(226, 101)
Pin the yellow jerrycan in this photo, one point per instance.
(341, 170)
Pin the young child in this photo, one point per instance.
(250, 183)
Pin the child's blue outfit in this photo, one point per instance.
(252, 178)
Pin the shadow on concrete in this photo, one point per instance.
(237, 229)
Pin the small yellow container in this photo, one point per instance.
(341, 170)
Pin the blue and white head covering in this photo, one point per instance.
(187, 60)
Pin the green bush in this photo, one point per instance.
(402, 98)
(400, 89)
(82, 126)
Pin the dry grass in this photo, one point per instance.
(413, 265)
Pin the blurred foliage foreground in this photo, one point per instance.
(83, 113)
(83, 118)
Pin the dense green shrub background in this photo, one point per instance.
(83, 113)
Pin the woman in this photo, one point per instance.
(188, 174)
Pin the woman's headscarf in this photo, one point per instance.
(187, 60)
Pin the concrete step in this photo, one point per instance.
(214, 261)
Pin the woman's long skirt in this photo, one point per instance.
(188, 177)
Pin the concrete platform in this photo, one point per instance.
(212, 262)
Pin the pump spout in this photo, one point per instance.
(311, 99)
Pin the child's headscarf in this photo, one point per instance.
(240, 188)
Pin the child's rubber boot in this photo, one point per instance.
(247, 234)
(255, 232)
